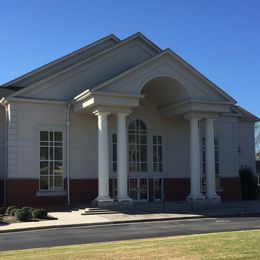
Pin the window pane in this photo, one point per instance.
(51, 182)
(143, 153)
(58, 168)
(142, 125)
(132, 167)
(44, 153)
(159, 140)
(154, 139)
(58, 182)
(131, 138)
(131, 153)
(144, 167)
(44, 135)
(114, 166)
(143, 139)
(58, 153)
(44, 182)
(160, 167)
(155, 167)
(58, 136)
(114, 138)
(159, 153)
(44, 169)
(51, 168)
(51, 136)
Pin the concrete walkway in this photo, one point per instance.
(169, 211)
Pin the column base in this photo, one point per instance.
(195, 197)
(103, 202)
(124, 200)
(213, 197)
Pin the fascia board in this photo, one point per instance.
(31, 100)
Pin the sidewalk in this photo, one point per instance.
(75, 217)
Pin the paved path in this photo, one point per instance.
(106, 232)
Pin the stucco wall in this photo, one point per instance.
(30, 118)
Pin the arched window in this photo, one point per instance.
(137, 146)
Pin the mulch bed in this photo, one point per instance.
(7, 219)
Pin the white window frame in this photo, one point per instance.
(53, 128)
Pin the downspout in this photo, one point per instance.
(68, 152)
(6, 149)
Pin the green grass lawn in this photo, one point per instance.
(226, 245)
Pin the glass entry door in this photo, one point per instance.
(138, 189)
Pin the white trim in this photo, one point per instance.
(32, 100)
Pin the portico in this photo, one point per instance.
(100, 104)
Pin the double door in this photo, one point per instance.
(139, 189)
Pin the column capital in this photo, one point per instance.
(101, 113)
(209, 119)
(122, 114)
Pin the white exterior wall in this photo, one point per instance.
(27, 119)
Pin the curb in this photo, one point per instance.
(242, 214)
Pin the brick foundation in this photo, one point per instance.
(176, 189)
(23, 192)
(231, 189)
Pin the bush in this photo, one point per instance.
(8, 210)
(21, 214)
(12, 212)
(29, 211)
(249, 187)
(40, 213)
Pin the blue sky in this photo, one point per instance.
(220, 38)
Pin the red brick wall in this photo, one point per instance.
(176, 188)
(23, 192)
(231, 189)
(83, 190)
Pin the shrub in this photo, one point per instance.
(249, 187)
(40, 213)
(21, 214)
(29, 211)
(8, 210)
(12, 212)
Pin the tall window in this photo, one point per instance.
(216, 145)
(157, 153)
(51, 160)
(137, 146)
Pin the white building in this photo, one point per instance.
(120, 120)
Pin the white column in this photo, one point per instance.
(122, 158)
(210, 160)
(103, 158)
(195, 163)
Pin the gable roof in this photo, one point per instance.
(136, 36)
(64, 62)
